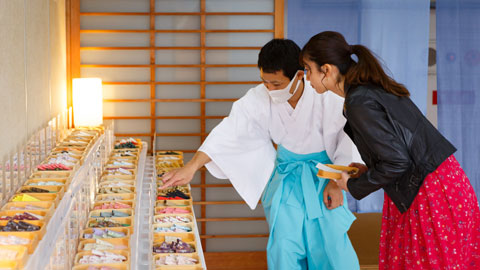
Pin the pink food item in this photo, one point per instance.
(101, 268)
(113, 205)
(173, 210)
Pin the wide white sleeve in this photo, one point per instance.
(241, 150)
(340, 148)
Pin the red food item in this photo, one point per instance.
(169, 198)
(53, 167)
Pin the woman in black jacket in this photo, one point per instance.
(431, 217)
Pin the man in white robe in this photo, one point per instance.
(307, 229)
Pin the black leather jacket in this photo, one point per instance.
(398, 144)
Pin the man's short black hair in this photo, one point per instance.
(280, 54)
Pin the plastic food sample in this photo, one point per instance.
(176, 260)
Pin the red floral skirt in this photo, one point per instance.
(441, 229)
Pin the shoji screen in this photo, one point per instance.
(172, 68)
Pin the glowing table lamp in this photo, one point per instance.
(87, 101)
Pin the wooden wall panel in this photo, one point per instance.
(172, 70)
(58, 51)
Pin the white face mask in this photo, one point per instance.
(283, 95)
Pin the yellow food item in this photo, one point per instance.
(25, 198)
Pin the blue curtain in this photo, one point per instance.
(397, 31)
(458, 81)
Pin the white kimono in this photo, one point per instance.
(304, 234)
(241, 148)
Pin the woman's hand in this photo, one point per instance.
(342, 182)
(178, 177)
(361, 169)
(332, 195)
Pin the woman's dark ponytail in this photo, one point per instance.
(331, 48)
(369, 70)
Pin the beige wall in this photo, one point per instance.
(32, 67)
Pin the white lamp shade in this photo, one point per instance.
(87, 101)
